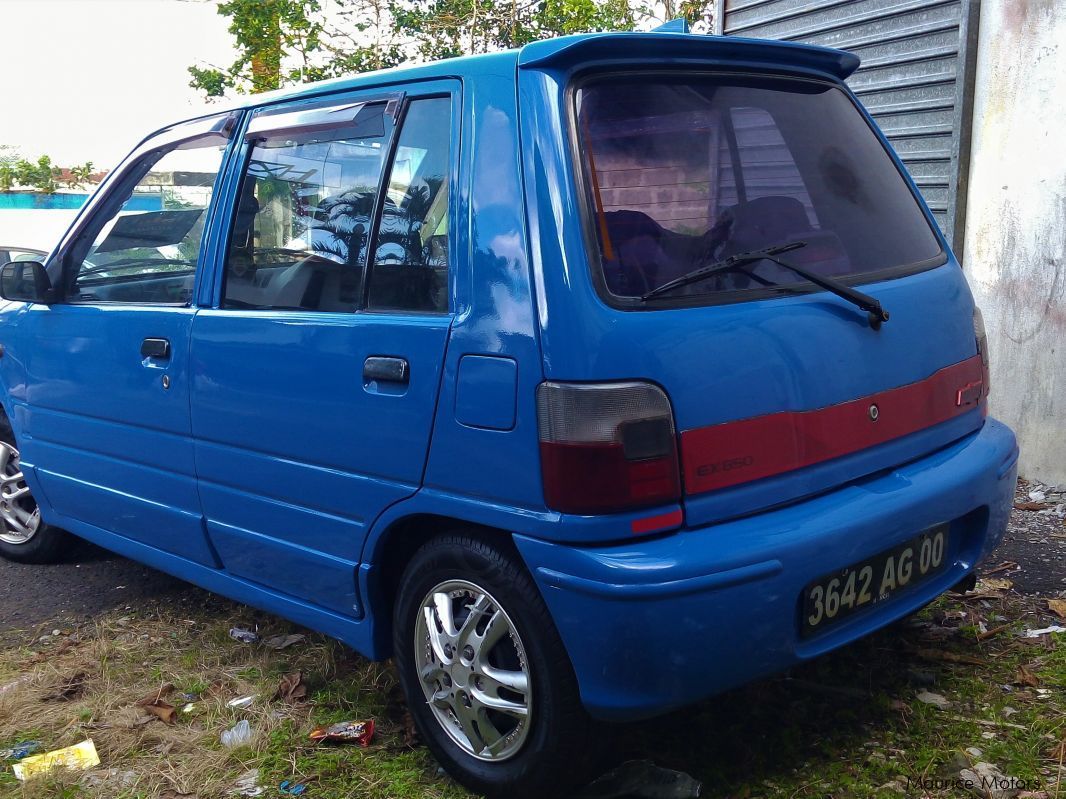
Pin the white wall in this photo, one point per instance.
(1015, 252)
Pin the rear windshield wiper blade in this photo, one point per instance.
(729, 264)
(872, 306)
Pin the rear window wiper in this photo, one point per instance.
(875, 313)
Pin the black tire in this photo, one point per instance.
(48, 544)
(561, 749)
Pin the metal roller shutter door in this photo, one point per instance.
(916, 77)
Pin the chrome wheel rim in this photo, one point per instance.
(19, 512)
(473, 670)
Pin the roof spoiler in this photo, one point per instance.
(670, 44)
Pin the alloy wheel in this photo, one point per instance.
(473, 670)
(19, 513)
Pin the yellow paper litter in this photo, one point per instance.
(81, 756)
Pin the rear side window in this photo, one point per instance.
(684, 171)
(338, 218)
(410, 268)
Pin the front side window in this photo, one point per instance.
(685, 171)
(302, 230)
(146, 251)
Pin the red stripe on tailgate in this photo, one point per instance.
(737, 452)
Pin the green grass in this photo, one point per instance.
(848, 725)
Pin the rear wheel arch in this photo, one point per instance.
(393, 549)
(7, 432)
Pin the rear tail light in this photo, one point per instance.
(982, 348)
(606, 447)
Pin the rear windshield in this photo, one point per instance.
(684, 171)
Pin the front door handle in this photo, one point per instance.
(158, 348)
(386, 369)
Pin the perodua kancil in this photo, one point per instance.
(585, 380)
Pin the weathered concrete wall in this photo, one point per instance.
(1015, 253)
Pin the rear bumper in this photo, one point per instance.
(656, 624)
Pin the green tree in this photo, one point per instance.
(363, 37)
(79, 175)
(265, 31)
(457, 27)
(41, 175)
(280, 42)
(9, 158)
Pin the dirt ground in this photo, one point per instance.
(969, 690)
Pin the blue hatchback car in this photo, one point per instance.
(547, 373)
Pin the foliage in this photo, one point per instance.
(41, 174)
(8, 167)
(265, 32)
(79, 175)
(280, 42)
(457, 27)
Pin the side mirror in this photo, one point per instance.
(25, 281)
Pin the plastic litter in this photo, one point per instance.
(243, 635)
(357, 732)
(248, 784)
(642, 779)
(237, 735)
(1054, 628)
(20, 750)
(290, 788)
(241, 701)
(80, 756)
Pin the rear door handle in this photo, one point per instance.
(386, 369)
(158, 348)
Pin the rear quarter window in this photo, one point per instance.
(682, 171)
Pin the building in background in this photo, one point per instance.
(973, 97)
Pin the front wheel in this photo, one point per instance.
(23, 536)
(486, 675)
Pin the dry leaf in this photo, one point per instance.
(948, 657)
(283, 641)
(929, 698)
(71, 689)
(995, 583)
(994, 631)
(291, 688)
(155, 696)
(1032, 505)
(161, 710)
(1007, 565)
(1026, 677)
(1058, 607)
(410, 731)
(60, 649)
